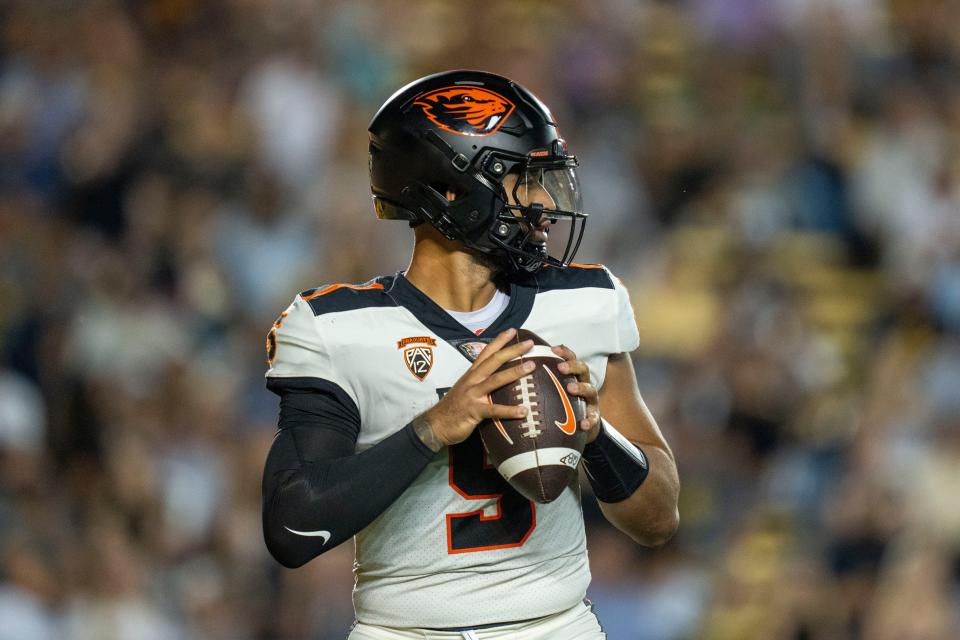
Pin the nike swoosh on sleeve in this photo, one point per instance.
(311, 534)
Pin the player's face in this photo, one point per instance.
(530, 191)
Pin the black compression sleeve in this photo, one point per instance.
(615, 467)
(316, 491)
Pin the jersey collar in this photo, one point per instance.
(443, 324)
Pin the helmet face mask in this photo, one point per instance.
(536, 193)
(495, 147)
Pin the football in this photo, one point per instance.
(537, 455)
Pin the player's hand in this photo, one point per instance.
(582, 388)
(459, 412)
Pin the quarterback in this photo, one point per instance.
(382, 385)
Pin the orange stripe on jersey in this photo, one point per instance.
(334, 287)
(585, 266)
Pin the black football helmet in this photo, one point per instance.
(468, 133)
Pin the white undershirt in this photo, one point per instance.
(482, 318)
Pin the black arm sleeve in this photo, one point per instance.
(615, 466)
(317, 492)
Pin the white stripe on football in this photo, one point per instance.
(538, 458)
(539, 351)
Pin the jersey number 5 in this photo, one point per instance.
(470, 476)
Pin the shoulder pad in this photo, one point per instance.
(574, 276)
(347, 297)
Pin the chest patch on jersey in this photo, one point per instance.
(471, 349)
(418, 354)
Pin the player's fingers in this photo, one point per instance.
(577, 368)
(592, 397)
(570, 363)
(564, 352)
(503, 338)
(503, 378)
(506, 354)
(504, 411)
(585, 390)
(591, 421)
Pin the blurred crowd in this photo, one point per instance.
(776, 181)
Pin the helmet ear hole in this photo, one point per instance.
(450, 192)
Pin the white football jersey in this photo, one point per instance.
(459, 547)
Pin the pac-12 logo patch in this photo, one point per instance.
(468, 111)
(418, 354)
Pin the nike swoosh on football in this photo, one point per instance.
(311, 534)
(569, 425)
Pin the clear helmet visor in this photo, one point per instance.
(544, 202)
(557, 189)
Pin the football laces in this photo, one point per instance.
(527, 394)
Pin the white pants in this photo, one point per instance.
(576, 623)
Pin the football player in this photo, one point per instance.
(382, 384)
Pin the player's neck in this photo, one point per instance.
(453, 278)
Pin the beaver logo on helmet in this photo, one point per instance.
(469, 111)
